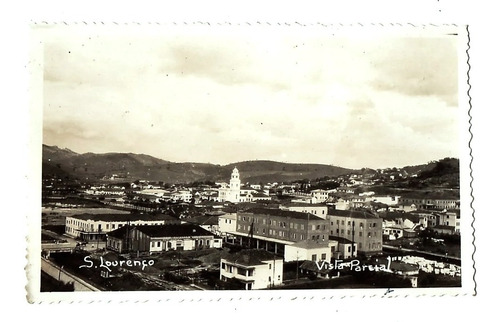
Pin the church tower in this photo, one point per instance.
(234, 186)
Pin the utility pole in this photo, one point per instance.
(297, 273)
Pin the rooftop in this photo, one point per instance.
(172, 230)
(311, 244)
(282, 213)
(250, 257)
(302, 205)
(203, 220)
(433, 195)
(351, 214)
(125, 217)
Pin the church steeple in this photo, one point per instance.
(234, 186)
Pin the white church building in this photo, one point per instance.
(234, 193)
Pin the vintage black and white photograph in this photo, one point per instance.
(197, 157)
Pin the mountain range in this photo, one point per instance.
(63, 162)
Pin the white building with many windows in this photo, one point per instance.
(93, 227)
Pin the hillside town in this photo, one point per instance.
(337, 232)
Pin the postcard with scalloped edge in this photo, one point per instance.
(215, 161)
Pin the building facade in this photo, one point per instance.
(162, 238)
(361, 227)
(93, 227)
(254, 268)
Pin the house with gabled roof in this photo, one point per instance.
(151, 239)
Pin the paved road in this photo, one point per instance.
(60, 274)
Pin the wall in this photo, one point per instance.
(297, 253)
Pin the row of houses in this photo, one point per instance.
(398, 225)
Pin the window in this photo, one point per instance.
(360, 225)
(318, 227)
(270, 266)
(323, 256)
(360, 234)
(337, 222)
(158, 244)
(337, 230)
(314, 257)
(374, 224)
(223, 266)
(342, 231)
(348, 232)
(343, 222)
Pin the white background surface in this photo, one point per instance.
(16, 174)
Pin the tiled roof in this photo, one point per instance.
(173, 230)
(282, 213)
(298, 205)
(204, 220)
(250, 257)
(351, 214)
(311, 244)
(125, 217)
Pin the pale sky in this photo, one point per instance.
(228, 95)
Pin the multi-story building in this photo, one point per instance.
(345, 248)
(361, 227)
(320, 195)
(430, 202)
(254, 268)
(227, 224)
(93, 227)
(450, 218)
(272, 229)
